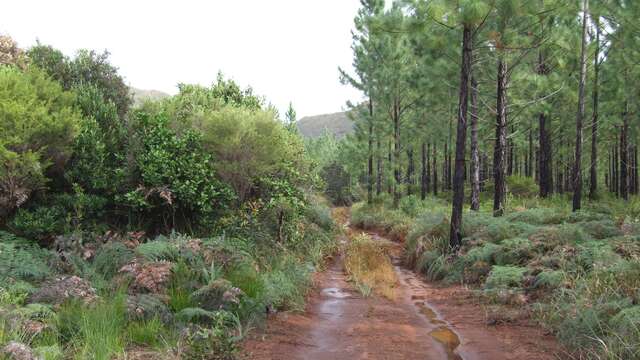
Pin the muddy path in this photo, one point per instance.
(423, 322)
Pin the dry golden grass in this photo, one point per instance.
(368, 264)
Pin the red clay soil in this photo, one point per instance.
(423, 322)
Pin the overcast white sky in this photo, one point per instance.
(287, 50)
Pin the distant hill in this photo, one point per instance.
(140, 95)
(338, 124)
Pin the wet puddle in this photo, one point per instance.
(449, 339)
(442, 333)
(414, 286)
(335, 293)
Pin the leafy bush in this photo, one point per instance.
(111, 257)
(42, 223)
(538, 216)
(601, 229)
(550, 279)
(286, 285)
(522, 186)
(176, 175)
(502, 277)
(38, 127)
(20, 259)
(158, 250)
(516, 251)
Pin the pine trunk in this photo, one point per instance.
(475, 158)
(396, 154)
(593, 178)
(624, 155)
(501, 141)
(435, 170)
(379, 169)
(455, 237)
(423, 177)
(577, 170)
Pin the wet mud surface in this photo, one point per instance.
(423, 322)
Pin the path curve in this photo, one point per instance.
(423, 322)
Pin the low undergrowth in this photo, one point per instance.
(172, 296)
(368, 265)
(578, 274)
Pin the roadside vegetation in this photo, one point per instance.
(575, 273)
(368, 264)
(167, 230)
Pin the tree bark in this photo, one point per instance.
(423, 178)
(593, 178)
(501, 140)
(475, 158)
(370, 165)
(455, 234)
(435, 170)
(379, 169)
(396, 154)
(624, 154)
(390, 161)
(577, 170)
(410, 172)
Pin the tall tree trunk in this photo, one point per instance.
(501, 140)
(624, 154)
(390, 162)
(370, 160)
(445, 167)
(455, 234)
(435, 170)
(545, 173)
(396, 154)
(616, 168)
(529, 171)
(510, 155)
(593, 178)
(635, 170)
(410, 171)
(379, 169)
(577, 169)
(428, 179)
(475, 158)
(423, 178)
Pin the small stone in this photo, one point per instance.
(19, 351)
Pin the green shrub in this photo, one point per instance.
(112, 257)
(244, 276)
(626, 324)
(538, 216)
(42, 223)
(38, 125)
(523, 186)
(601, 229)
(150, 333)
(502, 277)
(158, 250)
(94, 331)
(319, 214)
(176, 174)
(20, 259)
(550, 279)
(286, 285)
(593, 254)
(485, 253)
(501, 229)
(516, 251)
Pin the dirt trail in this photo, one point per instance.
(423, 322)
